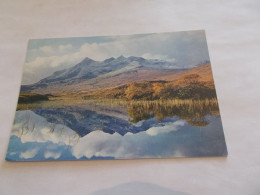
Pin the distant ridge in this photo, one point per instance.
(89, 75)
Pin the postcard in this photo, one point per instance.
(117, 97)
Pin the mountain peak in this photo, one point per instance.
(87, 60)
(121, 57)
(109, 59)
(134, 58)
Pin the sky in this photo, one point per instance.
(44, 56)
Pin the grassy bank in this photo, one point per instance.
(193, 111)
(31, 97)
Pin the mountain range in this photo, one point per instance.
(91, 75)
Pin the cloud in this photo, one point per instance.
(64, 48)
(29, 153)
(49, 154)
(47, 49)
(96, 143)
(40, 130)
(158, 57)
(44, 66)
(185, 49)
(89, 145)
(166, 143)
(166, 128)
(102, 51)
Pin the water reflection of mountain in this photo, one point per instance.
(85, 121)
(130, 117)
(34, 138)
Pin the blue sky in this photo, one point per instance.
(45, 56)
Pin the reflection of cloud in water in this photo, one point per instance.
(167, 127)
(143, 144)
(29, 153)
(172, 139)
(35, 138)
(96, 143)
(50, 154)
(31, 127)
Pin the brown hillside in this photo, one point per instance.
(104, 81)
(204, 71)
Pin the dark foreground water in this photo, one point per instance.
(114, 132)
